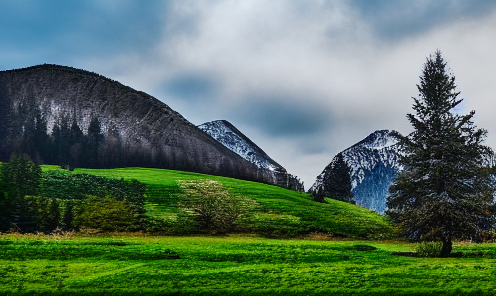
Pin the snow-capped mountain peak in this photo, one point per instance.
(373, 164)
(227, 134)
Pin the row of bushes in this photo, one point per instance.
(33, 201)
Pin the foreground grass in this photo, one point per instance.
(131, 265)
(279, 207)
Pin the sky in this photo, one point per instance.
(302, 79)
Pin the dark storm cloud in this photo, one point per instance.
(286, 117)
(192, 87)
(395, 20)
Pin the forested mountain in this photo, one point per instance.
(71, 117)
(229, 136)
(372, 166)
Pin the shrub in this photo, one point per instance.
(106, 214)
(429, 249)
(211, 206)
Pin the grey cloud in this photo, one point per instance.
(192, 87)
(396, 20)
(283, 116)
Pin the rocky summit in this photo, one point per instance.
(233, 139)
(373, 164)
(71, 117)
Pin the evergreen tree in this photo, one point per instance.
(20, 177)
(76, 139)
(445, 191)
(56, 138)
(68, 215)
(336, 183)
(94, 139)
(41, 138)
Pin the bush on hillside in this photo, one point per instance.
(211, 206)
(106, 214)
(429, 249)
(44, 213)
(65, 185)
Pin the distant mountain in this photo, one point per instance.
(66, 116)
(229, 136)
(373, 164)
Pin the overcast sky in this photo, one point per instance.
(302, 79)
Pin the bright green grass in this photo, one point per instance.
(336, 217)
(132, 265)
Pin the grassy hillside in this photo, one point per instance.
(278, 207)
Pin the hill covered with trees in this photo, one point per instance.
(70, 117)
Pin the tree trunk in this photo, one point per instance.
(447, 247)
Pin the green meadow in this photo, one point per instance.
(279, 211)
(236, 265)
(316, 249)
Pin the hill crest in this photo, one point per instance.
(130, 127)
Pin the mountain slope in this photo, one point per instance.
(67, 116)
(373, 164)
(278, 209)
(233, 139)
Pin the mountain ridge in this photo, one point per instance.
(232, 138)
(373, 164)
(43, 97)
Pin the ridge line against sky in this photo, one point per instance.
(302, 79)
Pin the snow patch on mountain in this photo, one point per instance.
(225, 133)
(373, 164)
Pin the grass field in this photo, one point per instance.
(278, 207)
(141, 265)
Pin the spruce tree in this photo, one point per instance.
(445, 191)
(20, 177)
(94, 139)
(338, 183)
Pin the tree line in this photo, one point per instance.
(67, 145)
(36, 201)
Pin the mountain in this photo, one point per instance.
(373, 164)
(229, 136)
(71, 117)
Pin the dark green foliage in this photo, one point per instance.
(19, 177)
(43, 212)
(32, 201)
(212, 206)
(76, 145)
(337, 183)
(66, 185)
(445, 191)
(107, 214)
(69, 209)
(94, 139)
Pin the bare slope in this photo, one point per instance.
(135, 129)
(229, 136)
